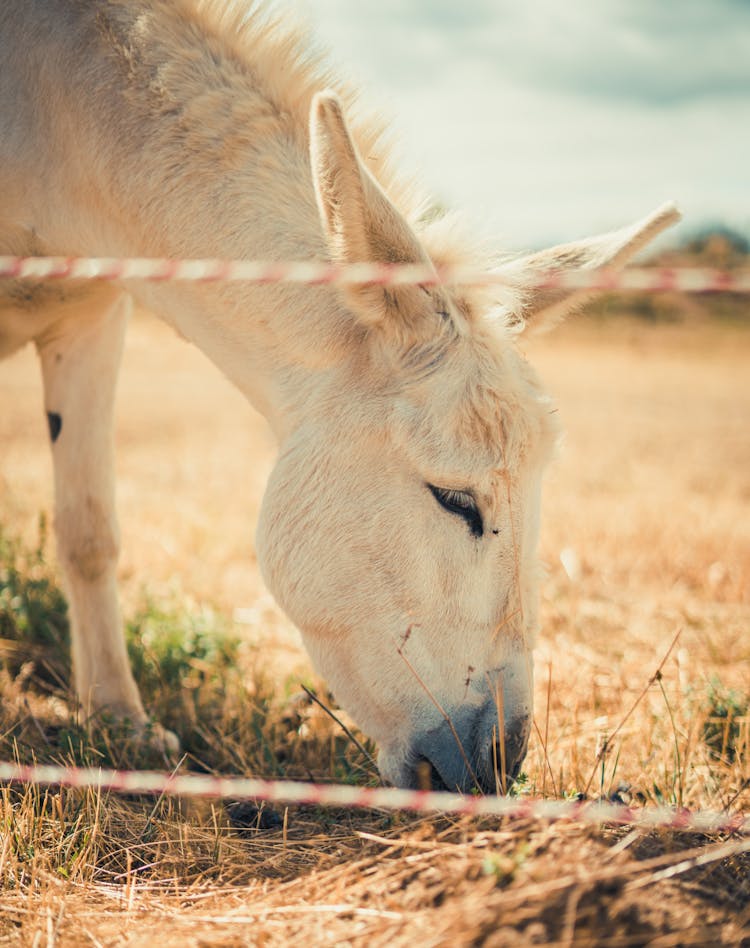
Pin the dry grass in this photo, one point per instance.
(648, 507)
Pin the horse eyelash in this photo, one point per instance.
(459, 498)
(462, 504)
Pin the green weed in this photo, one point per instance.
(33, 613)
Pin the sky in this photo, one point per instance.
(546, 121)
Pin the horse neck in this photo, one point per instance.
(207, 167)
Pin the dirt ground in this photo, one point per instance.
(646, 534)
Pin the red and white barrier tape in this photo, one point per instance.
(380, 798)
(686, 279)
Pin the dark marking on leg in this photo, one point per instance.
(55, 425)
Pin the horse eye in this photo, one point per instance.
(461, 504)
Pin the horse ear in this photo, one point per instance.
(360, 223)
(545, 308)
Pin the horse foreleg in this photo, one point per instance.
(80, 355)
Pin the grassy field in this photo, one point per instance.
(646, 536)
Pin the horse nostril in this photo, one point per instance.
(502, 759)
(505, 764)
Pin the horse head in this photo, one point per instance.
(399, 529)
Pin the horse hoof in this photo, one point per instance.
(164, 741)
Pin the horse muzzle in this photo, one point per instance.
(475, 751)
(479, 744)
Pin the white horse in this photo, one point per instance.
(399, 527)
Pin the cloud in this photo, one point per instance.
(648, 52)
(631, 49)
(546, 120)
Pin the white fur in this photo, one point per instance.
(178, 129)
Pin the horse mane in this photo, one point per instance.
(289, 67)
